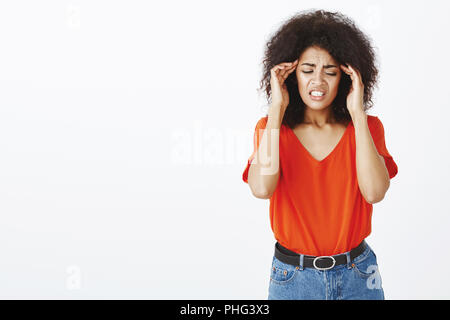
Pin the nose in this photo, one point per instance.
(317, 77)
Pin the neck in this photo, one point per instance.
(318, 118)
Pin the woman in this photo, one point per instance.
(323, 162)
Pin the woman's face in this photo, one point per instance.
(317, 70)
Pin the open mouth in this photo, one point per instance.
(317, 94)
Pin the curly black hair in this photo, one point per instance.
(333, 32)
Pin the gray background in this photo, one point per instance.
(125, 127)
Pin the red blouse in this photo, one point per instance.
(317, 207)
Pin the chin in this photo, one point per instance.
(317, 105)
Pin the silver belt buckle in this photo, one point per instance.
(327, 268)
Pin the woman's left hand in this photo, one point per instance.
(355, 102)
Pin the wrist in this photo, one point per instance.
(275, 109)
(358, 117)
(275, 114)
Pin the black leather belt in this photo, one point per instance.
(320, 262)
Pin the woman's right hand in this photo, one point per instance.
(278, 74)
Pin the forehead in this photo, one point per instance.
(317, 54)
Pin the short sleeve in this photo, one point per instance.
(259, 130)
(377, 132)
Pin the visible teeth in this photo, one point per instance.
(317, 93)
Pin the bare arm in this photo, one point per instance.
(264, 170)
(373, 176)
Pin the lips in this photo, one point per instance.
(317, 89)
(317, 98)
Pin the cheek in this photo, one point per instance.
(334, 85)
(302, 84)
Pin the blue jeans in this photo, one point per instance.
(359, 279)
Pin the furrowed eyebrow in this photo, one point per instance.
(313, 65)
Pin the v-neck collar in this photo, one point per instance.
(329, 154)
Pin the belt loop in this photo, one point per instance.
(301, 261)
(349, 260)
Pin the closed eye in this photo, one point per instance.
(331, 74)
